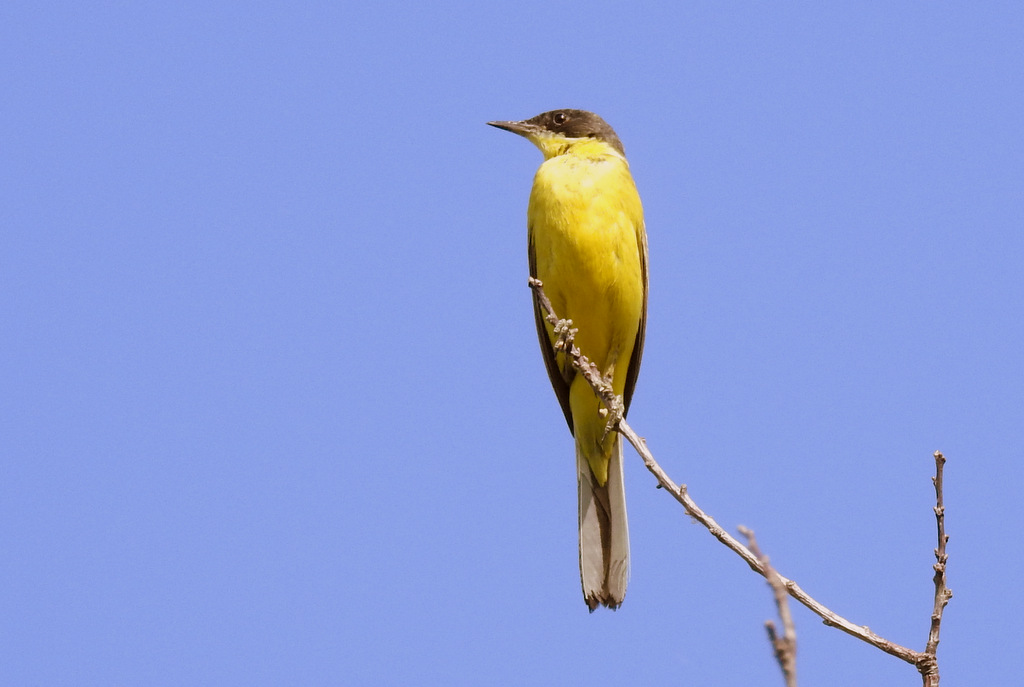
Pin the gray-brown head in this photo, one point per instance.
(560, 127)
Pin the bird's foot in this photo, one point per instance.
(565, 333)
(614, 412)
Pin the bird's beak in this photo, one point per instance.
(521, 128)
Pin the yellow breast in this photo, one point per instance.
(586, 223)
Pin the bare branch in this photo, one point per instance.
(925, 661)
(784, 646)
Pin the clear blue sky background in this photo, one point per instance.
(271, 409)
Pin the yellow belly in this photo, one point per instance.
(586, 224)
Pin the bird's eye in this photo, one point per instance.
(560, 118)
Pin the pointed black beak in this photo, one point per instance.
(521, 128)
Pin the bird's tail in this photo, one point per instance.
(604, 534)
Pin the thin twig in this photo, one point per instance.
(928, 665)
(922, 660)
(784, 646)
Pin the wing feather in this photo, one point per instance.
(560, 378)
(638, 346)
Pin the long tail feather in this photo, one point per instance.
(604, 532)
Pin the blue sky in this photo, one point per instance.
(271, 408)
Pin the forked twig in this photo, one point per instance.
(783, 645)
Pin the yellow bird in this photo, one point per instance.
(587, 244)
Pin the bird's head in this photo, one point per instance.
(558, 131)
